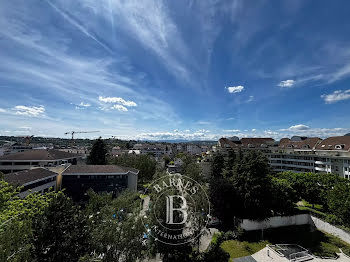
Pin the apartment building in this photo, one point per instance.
(297, 154)
(36, 158)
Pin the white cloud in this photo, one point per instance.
(25, 128)
(119, 108)
(232, 130)
(250, 99)
(235, 89)
(203, 122)
(118, 100)
(253, 130)
(29, 110)
(2, 110)
(286, 83)
(336, 96)
(84, 104)
(298, 127)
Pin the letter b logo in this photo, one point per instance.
(170, 209)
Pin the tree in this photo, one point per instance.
(231, 160)
(98, 153)
(339, 201)
(117, 231)
(243, 192)
(61, 232)
(194, 171)
(218, 165)
(16, 215)
(284, 196)
(144, 163)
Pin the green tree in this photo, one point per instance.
(98, 153)
(16, 216)
(231, 160)
(284, 196)
(61, 232)
(144, 163)
(244, 192)
(218, 165)
(339, 201)
(117, 231)
(194, 171)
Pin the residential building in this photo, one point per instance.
(78, 179)
(33, 180)
(193, 149)
(36, 158)
(297, 154)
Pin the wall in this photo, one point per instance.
(278, 221)
(330, 229)
(302, 219)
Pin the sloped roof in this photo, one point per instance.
(331, 142)
(308, 143)
(98, 169)
(26, 176)
(39, 154)
(257, 141)
(225, 142)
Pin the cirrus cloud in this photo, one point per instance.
(29, 110)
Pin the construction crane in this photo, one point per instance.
(79, 132)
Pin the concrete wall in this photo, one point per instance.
(330, 229)
(278, 221)
(302, 219)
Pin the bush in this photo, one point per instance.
(346, 251)
(333, 219)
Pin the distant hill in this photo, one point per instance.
(348, 134)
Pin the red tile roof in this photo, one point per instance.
(335, 143)
(308, 143)
(225, 142)
(257, 141)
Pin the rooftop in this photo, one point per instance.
(98, 169)
(26, 176)
(39, 154)
(335, 143)
(305, 143)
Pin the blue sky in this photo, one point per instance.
(175, 69)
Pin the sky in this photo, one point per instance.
(167, 70)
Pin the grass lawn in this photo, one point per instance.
(318, 242)
(242, 248)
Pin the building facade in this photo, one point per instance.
(77, 180)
